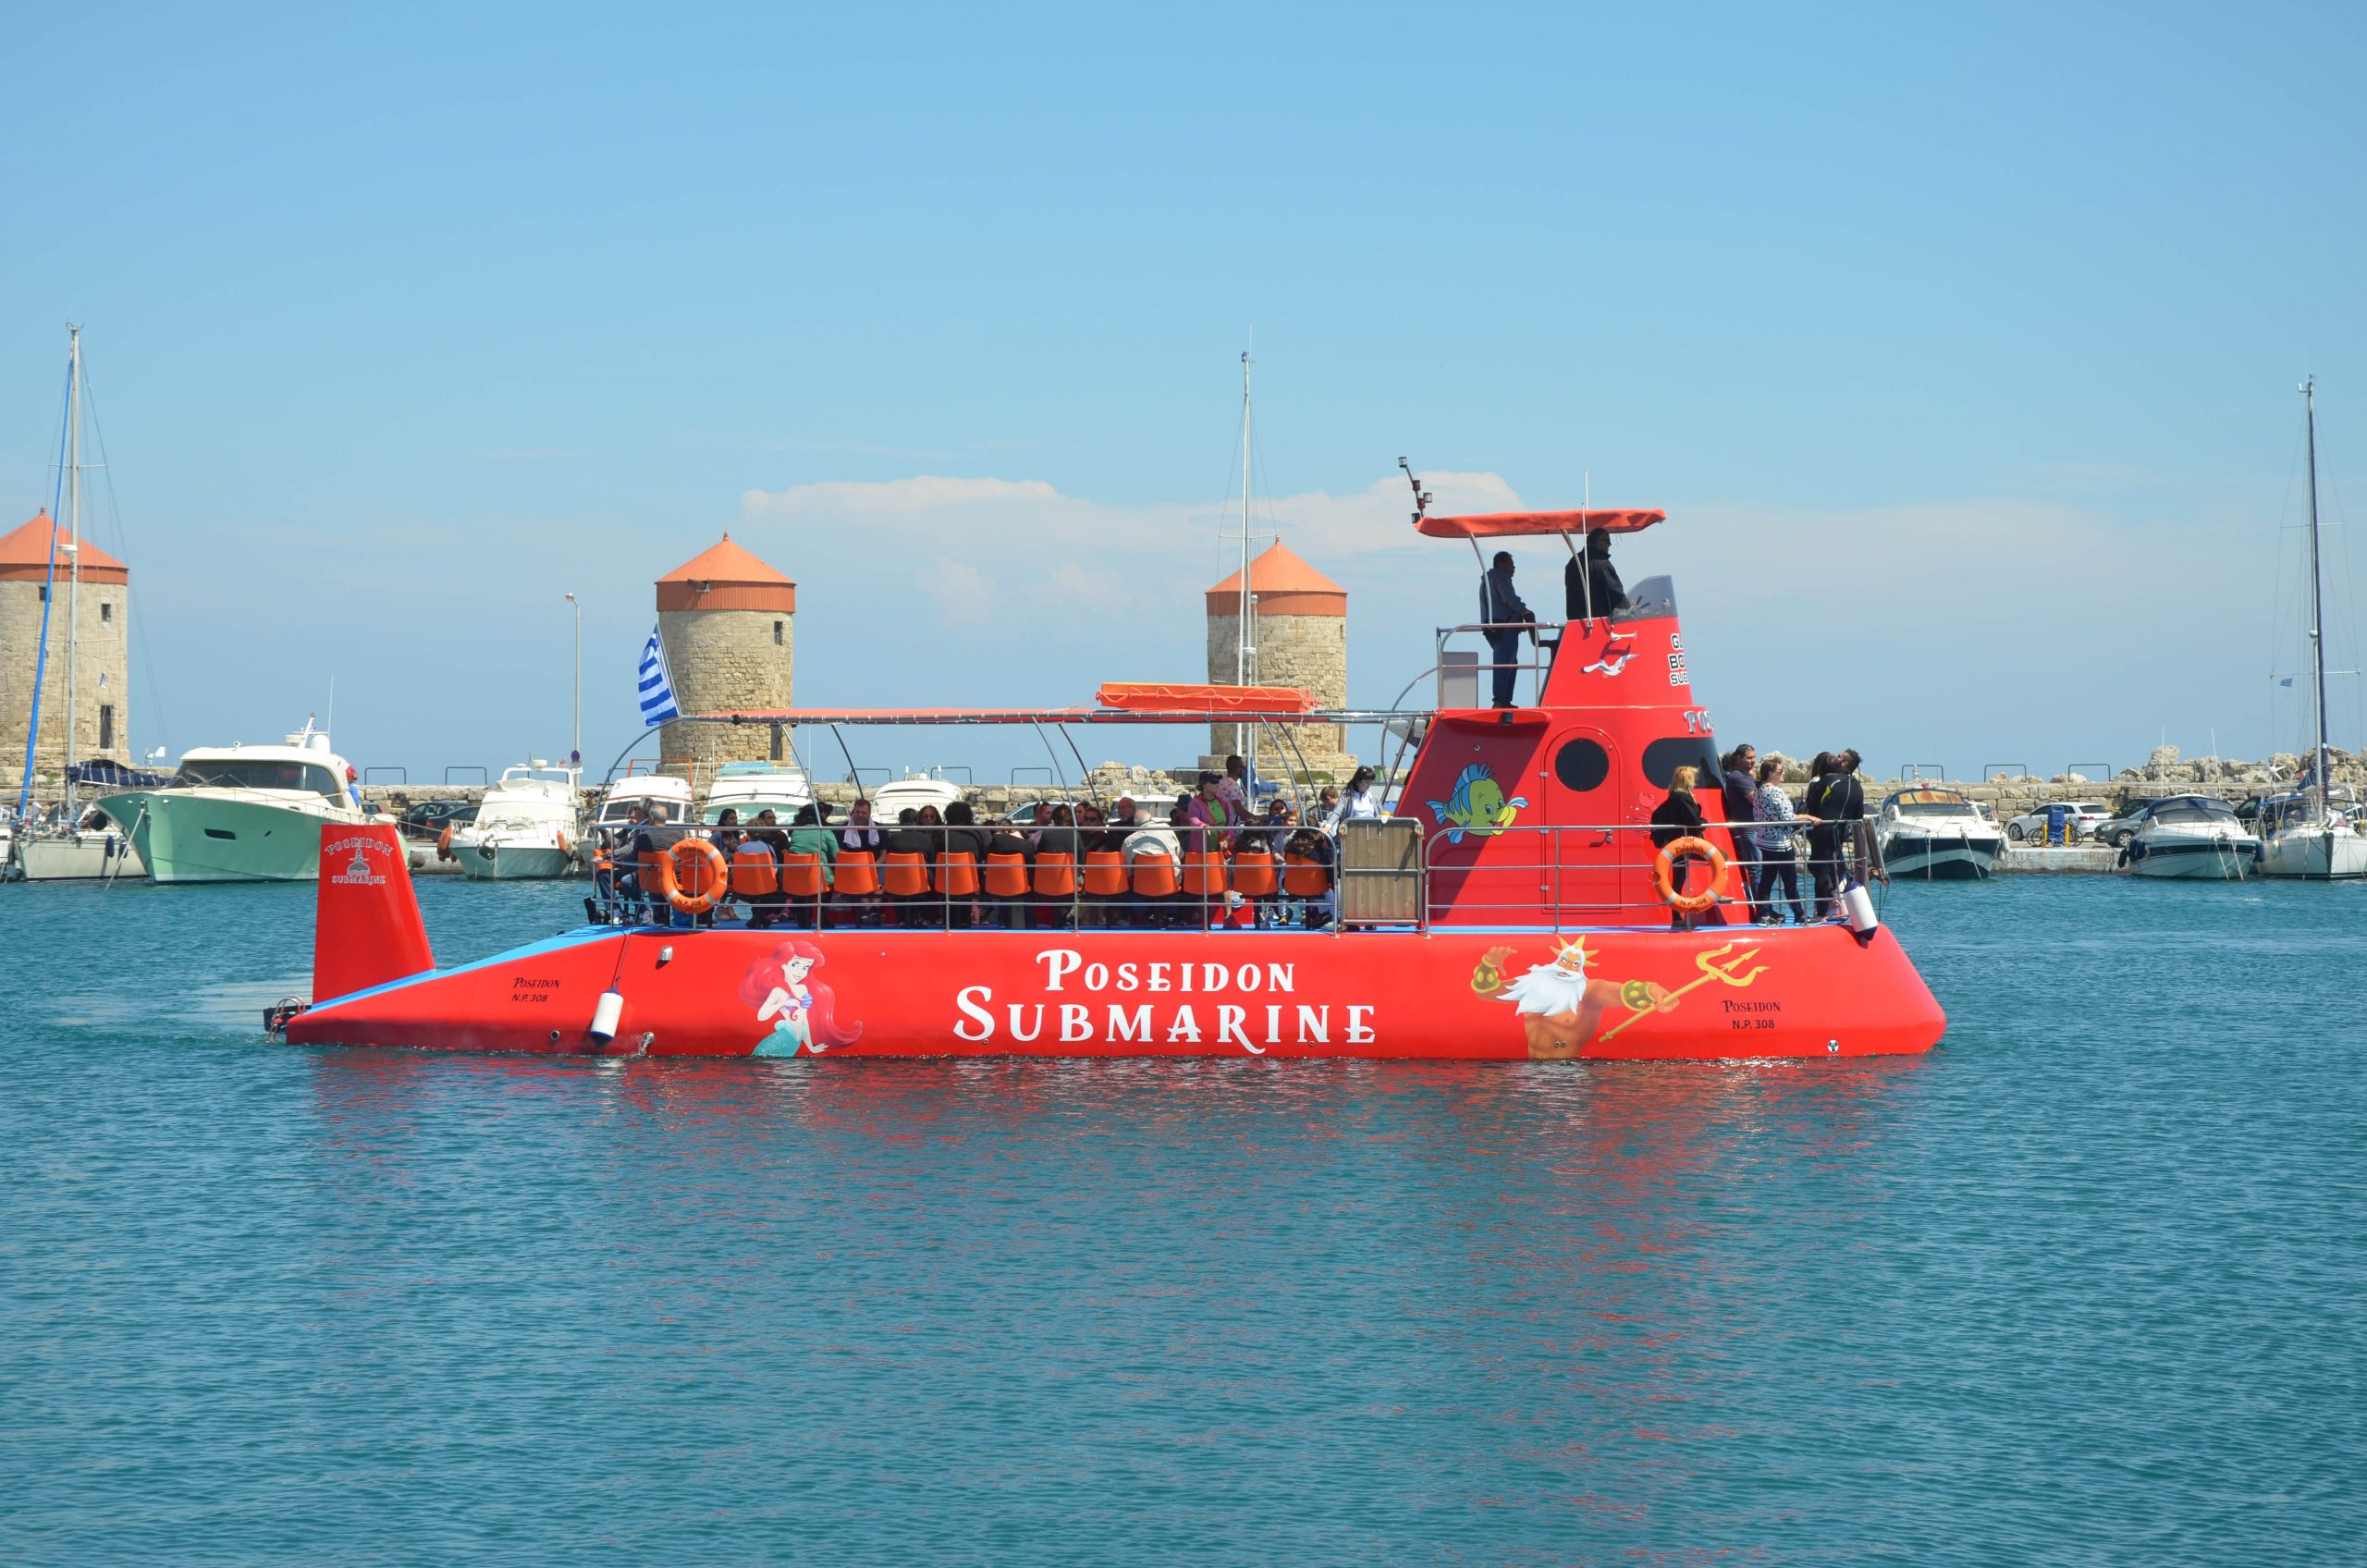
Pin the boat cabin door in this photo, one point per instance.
(1593, 878)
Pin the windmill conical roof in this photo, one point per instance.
(726, 576)
(24, 555)
(1283, 585)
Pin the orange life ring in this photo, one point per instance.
(560, 833)
(1664, 875)
(718, 875)
(444, 843)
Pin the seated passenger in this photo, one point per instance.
(1006, 894)
(965, 837)
(907, 839)
(1151, 872)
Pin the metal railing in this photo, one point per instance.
(370, 774)
(1560, 880)
(464, 767)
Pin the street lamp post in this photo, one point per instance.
(575, 757)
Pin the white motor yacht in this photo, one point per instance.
(1936, 835)
(528, 825)
(2192, 836)
(748, 788)
(913, 792)
(241, 813)
(642, 790)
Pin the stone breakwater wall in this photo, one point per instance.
(2163, 774)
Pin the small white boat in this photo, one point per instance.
(748, 788)
(242, 814)
(1936, 835)
(2192, 836)
(528, 825)
(911, 792)
(643, 789)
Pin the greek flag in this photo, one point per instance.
(656, 691)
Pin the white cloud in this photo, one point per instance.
(1007, 515)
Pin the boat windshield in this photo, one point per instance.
(2195, 811)
(1935, 808)
(255, 773)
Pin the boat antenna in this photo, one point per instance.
(1421, 496)
(1245, 654)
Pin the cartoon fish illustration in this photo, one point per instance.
(1476, 807)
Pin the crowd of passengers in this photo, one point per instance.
(1215, 860)
(1770, 834)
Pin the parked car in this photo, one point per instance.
(2123, 827)
(2086, 817)
(427, 819)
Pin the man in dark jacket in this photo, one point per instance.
(1502, 612)
(1592, 583)
(1741, 800)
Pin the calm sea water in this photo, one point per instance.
(2087, 1285)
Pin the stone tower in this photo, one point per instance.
(1299, 628)
(724, 618)
(103, 688)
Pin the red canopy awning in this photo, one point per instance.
(1498, 525)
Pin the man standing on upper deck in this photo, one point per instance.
(1505, 614)
(1592, 583)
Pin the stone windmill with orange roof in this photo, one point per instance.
(724, 618)
(1298, 628)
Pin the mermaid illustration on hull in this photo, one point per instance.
(801, 1010)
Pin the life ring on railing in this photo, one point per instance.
(1664, 875)
(444, 843)
(668, 884)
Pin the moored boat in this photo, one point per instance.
(1520, 912)
(1936, 835)
(2311, 834)
(528, 825)
(2192, 837)
(241, 813)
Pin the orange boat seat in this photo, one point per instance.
(801, 876)
(1204, 875)
(754, 876)
(1254, 876)
(1154, 876)
(1306, 878)
(1105, 873)
(1006, 877)
(957, 875)
(857, 875)
(1055, 876)
(906, 876)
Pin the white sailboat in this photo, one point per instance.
(72, 845)
(2312, 836)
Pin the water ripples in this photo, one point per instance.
(2081, 1287)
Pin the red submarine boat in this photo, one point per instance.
(1514, 908)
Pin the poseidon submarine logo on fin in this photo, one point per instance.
(1478, 806)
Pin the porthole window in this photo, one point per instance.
(1581, 765)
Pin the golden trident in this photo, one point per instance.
(1707, 962)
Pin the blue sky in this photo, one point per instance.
(1961, 349)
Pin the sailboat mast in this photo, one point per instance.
(73, 552)
(2317, 605)
(1245, 654)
